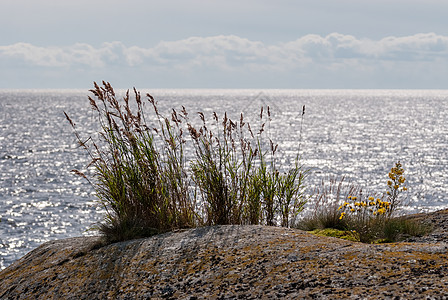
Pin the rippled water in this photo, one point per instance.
(359, 134)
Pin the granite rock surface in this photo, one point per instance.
(231, 262)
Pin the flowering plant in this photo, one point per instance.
(368, 215)
(395, 186)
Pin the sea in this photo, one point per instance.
(353, 134)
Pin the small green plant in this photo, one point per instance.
(366, 218)
(400, 228)
(325, 200)
(375, 219)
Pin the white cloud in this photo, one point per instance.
(232, 52)
(333, 56)
(334, 46)
(76, 55)
(419, 47)
(225, 52)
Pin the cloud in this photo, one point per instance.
(338, 46)
(333, 56)
(233, 52)
(419, 47)
(76, 55)
(224, 52)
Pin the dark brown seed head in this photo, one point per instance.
(70, 120)
(93, 104)
(184, 111)
(224, 122)
(79, 173)
(250, 130)
(201, 115)
(262, 128)
(193, 132)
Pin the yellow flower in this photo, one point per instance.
(352, 210)
(354, 198)
(405, 188)
(389, 182)
(396, 186)
(381, 211)
(342, 215)
(401, 179)
(371, 198)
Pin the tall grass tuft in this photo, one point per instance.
(144, 181)
(139, 171)
(238, 180)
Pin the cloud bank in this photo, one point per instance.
(328, 60)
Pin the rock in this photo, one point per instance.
(228, 262)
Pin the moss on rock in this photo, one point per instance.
(341, 234)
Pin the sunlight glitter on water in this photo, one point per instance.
(357, 134)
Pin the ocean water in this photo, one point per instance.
(358, 134)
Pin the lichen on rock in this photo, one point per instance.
(226, 262)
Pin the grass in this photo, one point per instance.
(324, 203)
(369, 218)
(142, 177)
(138, 172)
(400, 228)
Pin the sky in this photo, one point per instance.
(261, 44)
